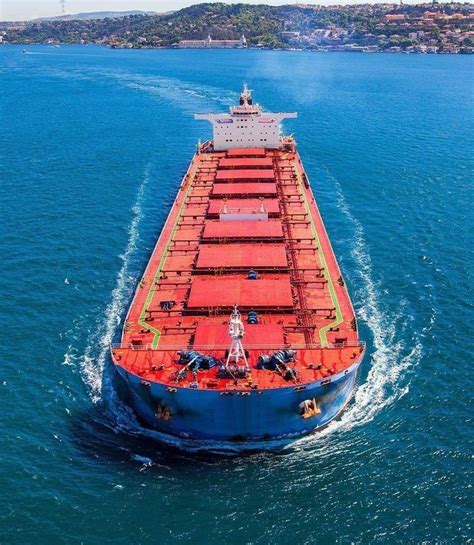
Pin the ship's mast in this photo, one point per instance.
(246, 94)
(236, 334)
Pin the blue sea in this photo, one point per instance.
(93, 145)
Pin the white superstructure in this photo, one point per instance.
(246, 126)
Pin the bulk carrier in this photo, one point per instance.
(241, 328)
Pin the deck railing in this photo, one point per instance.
(219, 347)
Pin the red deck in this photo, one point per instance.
(218, 335)
(225, 292)
(242, 229)
(246, 152)
(245, 174)
(199, 270)
(223, 190)
(237, 256)
(246, 162)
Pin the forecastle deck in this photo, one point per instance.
(239, 212)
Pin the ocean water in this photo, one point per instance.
(93, 144)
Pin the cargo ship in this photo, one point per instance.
(241, 329)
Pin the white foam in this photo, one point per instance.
(142, 459)
(188, 96)
(70, 356)
(95, 356)
(391, 357)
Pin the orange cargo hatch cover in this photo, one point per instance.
(245, 174)
(243, 188)
(242, 229)
(230, 291)
(246, 162)
(242, 256)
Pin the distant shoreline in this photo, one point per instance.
(441, 28)
(288, 50)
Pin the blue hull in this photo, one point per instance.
(233, 416)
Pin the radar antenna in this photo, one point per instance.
(246, 96)
(236, 334)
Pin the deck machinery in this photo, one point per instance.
(241, 328)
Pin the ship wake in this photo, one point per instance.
(96, 354)
(391, 358)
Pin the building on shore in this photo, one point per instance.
(210, 43)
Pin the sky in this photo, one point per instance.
(20, 10)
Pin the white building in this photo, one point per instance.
(210, 43)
